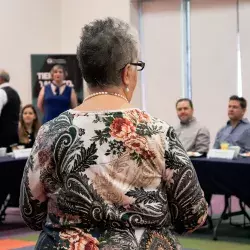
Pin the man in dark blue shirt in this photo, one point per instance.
(237, 130)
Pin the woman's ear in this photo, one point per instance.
(126, 75)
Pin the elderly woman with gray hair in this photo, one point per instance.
(106, 175)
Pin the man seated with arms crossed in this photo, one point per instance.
(237, 130)
(193, 136)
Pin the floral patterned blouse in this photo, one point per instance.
(110, 180)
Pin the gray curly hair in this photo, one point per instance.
(106, 47)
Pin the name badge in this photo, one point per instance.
(21, 153)
(220, 153)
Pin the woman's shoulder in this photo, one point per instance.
(147, 123)
(131, 116)
(60, 123)
(156, 121)
(69, 87)
(46, 86)
(136, 115)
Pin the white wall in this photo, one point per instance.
(163, 56)
(27, 26)
(134, 14)
(244, 10)
(214, 60)
(77, 13)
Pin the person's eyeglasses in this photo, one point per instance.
(140, 65)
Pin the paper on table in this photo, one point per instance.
(245, 154)
(22, 153)
(194, 154)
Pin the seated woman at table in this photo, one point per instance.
(107, 175)
(28, 126)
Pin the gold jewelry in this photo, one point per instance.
(106, 93)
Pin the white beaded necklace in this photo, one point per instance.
(106, 93)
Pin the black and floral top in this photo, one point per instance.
(110, 180)
(31, 140)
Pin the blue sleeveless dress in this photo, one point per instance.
(54, 105)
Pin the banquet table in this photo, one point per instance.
(216, 176)
(11, 171)
(225, 177)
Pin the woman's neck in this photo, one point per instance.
(28, 127)
(114, 89)
(105, 102)
(58, 83)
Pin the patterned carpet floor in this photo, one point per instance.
(198, 241)
(27, 242)
(23, 242)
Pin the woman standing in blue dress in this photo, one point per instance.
(57, 97)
